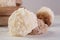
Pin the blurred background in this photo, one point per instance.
(34, 5)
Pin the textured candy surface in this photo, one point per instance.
(22, 22)
(46, 14)
(41, 29)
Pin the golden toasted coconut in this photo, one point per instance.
(46, 14)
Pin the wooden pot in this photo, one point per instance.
(6, 11)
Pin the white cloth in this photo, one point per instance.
(4, 3)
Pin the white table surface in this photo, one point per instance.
(52, 34)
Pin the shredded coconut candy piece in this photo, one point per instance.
(46, 14)
(22, 22)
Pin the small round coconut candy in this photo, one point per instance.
(22, 22)
(45, 19)
(46, 14)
